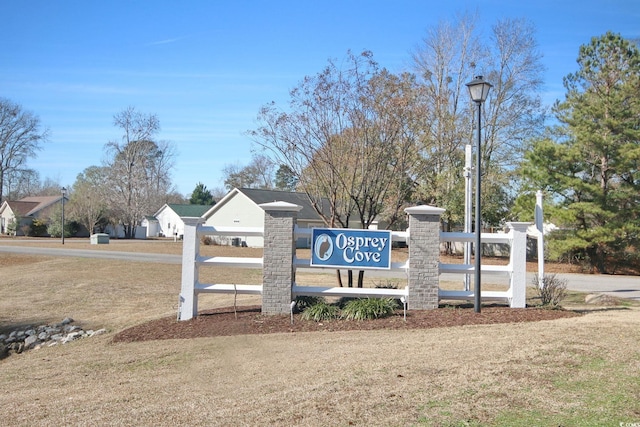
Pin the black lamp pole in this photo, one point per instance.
(478, 89)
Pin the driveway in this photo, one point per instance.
(617, 286)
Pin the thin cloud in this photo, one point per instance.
(166, 41)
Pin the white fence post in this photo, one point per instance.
(518, 263)
(540, 243)
(190, 253)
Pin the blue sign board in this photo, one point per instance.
(352, 249)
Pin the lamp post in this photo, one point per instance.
(64, 192)
(478, 89)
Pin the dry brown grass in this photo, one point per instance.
(477, 375)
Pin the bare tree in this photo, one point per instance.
(20, 138)
(349, 139)
(451, 55)
(259, 173)
(87, 200)
(139, 168)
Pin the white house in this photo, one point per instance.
(167, 220)
(240, 208)
(26, 210)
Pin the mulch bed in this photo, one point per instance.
(249, 320)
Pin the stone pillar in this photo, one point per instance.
(190, 251)
(424, 257)
(278, 273)
(518, 263)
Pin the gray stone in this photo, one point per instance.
(30, 340)
(33, 338)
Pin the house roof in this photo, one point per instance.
(189, 210)
(28, 206)
(20, 208)
(260, 196)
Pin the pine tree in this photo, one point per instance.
(590, 162)
(201, 196)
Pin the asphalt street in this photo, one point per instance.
(614, 285)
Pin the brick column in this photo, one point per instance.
(424, 257)
(278, 273)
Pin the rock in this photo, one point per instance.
(601, 299)
(4, 351)
(34, 338)
(30, 341)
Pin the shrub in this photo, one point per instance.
(369, 308)
(206, 240)
(39, 228)
(386, 285)
(321, 311)
(553, 290)
(304, 301)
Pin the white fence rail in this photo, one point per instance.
(515, 270)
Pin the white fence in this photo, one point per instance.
(515, 270)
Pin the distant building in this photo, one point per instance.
(167, 221)
(22, 212)
(240, 208)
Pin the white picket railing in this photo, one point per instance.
(515, 270)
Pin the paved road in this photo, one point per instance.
(618, 286)
(107, 254)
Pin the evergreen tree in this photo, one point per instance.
(201, 195)
(590, 161)
(286, 179)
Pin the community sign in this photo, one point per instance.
(349, 248)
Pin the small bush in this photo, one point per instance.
(369, 308)
(386, 285)
(321, 311)
(343, 301)
(206, 240)
(553, 290)
(39, 228)
(304, 301)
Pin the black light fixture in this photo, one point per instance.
(479, 90)
(64, 192)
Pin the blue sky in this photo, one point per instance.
(206, 67)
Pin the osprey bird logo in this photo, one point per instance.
(323, 247)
